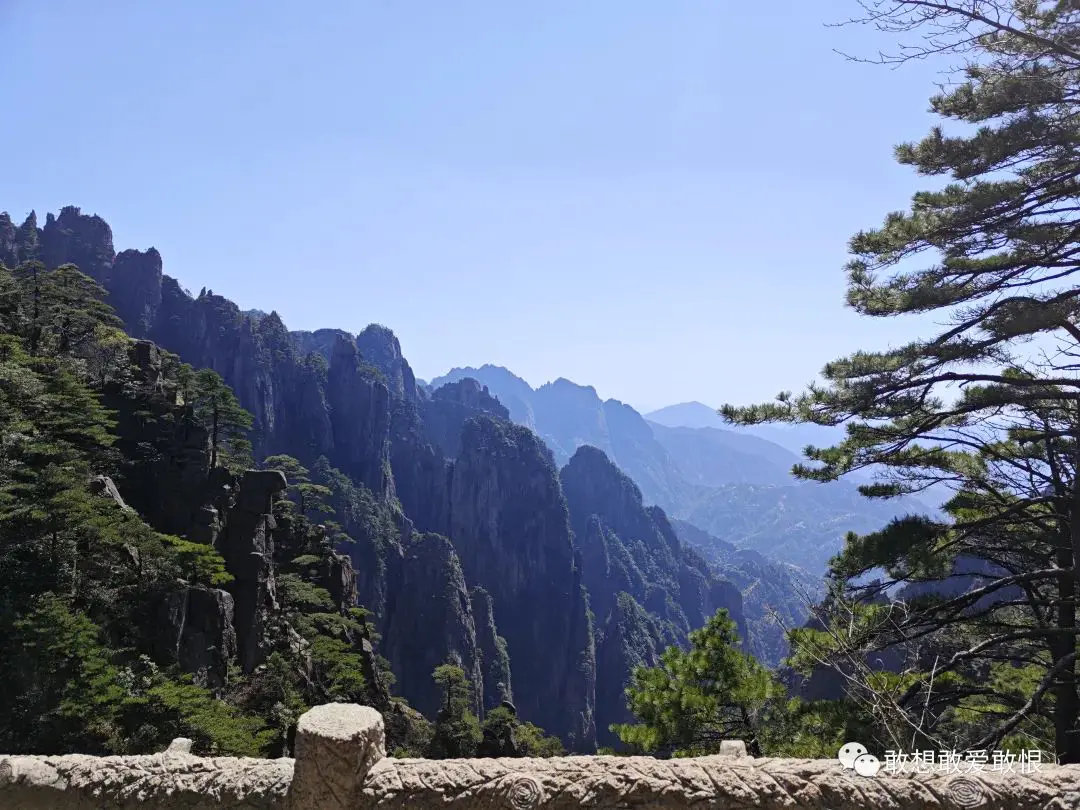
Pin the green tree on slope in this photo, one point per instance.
(698, 697)
(986, 405)
(219, 411)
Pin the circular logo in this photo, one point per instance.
(966, 792)
(866, 765)
(849, 753)
(523, 792)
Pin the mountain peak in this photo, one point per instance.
(687, 414)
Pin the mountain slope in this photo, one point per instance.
(803, 523)
(710, 457)
(566, 416)
(791, 437)
(462, 538)
(775, 595)
(731, 483)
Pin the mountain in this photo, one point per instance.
(791, 437)
(687, 415)
(466, 542)
(711, 457)
(567, 415)
(732, 483)
(775, 596)
(647, 589)
(698, 419)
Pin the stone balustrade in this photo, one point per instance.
(341, 763)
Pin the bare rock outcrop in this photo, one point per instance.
(196, 631)
(247, 545)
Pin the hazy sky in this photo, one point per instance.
(650, 196)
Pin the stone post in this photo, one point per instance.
(336, 746)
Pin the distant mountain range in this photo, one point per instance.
(793, 438)
(733, 483)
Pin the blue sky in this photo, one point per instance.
(653, 198)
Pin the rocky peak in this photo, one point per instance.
(509, 525)
(321, 341)
(9, 254)
(359, 418)
(571, 415)
(18, 244)
(82, 239)
(134, 284)
(591, 481)
(379, 346)
(511, 390)
(470, 393)
(450, 406)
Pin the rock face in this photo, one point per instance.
(511, 528)
(443, 495)
(647, 589)
(381, 348)
(566, 416)
(136, 277)
(422, 633)
(360, 419)
(104, 486)
(494, 660)
(320, 342)
(450, 406)
(196, 631)
(248, 547)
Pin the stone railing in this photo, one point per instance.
(341, 763)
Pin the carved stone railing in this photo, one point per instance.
(341, 763)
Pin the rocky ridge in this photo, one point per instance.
(441, 493)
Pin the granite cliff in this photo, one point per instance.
(647, 589)
(463, 544)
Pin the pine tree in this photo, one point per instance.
(218, 409)
(698, 697)
(79, 576)
(972, 406)
(457, 730)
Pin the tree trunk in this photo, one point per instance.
(753, 747)
(1066, 739)
(214, 438)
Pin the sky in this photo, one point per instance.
(653, 198)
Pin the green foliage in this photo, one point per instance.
(80, 578)
(457, 729)
(700, 696)
(200, 564)
(178, 708)
(65, 687)
(983, 402)
(530, 740)
(219, 411)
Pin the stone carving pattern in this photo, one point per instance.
(716, 783)
(341, 765)
(176, 779)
